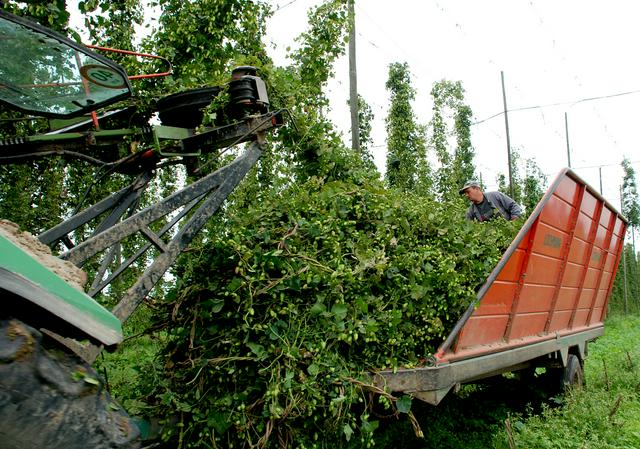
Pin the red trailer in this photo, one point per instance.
(542, 303)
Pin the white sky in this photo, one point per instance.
(551, 52)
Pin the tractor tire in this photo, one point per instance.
(50, 398)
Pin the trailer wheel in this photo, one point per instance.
(573, 375)
(51, 398)
(559, 380)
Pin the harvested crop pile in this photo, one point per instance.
(277, 322)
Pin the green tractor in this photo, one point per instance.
(52, 329)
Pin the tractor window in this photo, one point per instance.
(44, 73)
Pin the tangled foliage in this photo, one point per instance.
(277, 323)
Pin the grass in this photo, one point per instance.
(604, 414)
(127, 371)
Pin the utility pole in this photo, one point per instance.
(353, 81)
(566, 132)
(624, 261)
(600, 171)
(506, 124)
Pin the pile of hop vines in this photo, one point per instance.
(277, 321)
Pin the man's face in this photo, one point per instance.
(474, 194)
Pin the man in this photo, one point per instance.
(484, 206)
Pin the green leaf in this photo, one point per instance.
(313, 369)
(216, 305)
(369, 426)
(418, 292)
(258, 350)
(348, 431)
(363, 304)
(317, 309)
(235, 284)
(218, 421)
(403, 404)
(287, 379)
(340, 311)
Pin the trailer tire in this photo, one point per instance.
(573, 373)
(51, 398)
(560, 379)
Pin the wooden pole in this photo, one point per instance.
(506, 124)
(353, 81)
(624, 262)
(635, 265)
(624, 274)
(600, 171)
(566, 132)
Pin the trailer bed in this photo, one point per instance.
(547, 296)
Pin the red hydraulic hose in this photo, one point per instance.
(143, 55)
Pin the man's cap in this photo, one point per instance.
(468, 184)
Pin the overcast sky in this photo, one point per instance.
(551, 52)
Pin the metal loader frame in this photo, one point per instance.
(199, 200)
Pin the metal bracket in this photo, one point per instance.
(211, 191)
(172, 133)
(432, 397)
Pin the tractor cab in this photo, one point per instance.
(45, 74)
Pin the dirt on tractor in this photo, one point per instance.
(73, 275)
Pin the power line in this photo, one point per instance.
(605, 165)
(383, 31)
(409, 59)
(577, 78)
(564, 103)
(284, 6)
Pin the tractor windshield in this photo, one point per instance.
(44, 73)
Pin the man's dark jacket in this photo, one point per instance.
(498, 201)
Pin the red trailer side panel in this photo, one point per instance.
(555, 278)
